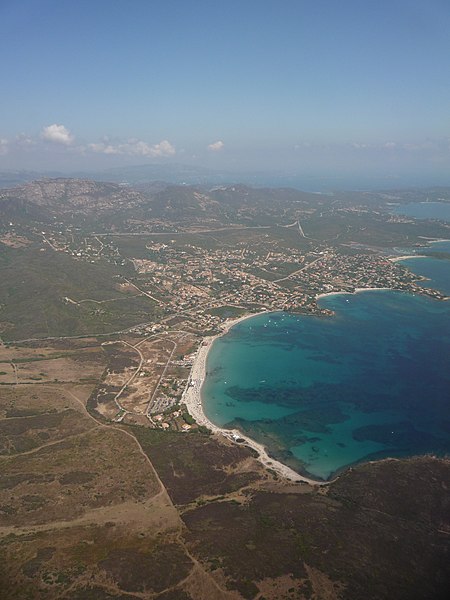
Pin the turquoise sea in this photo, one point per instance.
(322, 393)
(435, 267)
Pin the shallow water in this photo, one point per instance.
(325, 392)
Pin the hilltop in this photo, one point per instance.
(84, 202)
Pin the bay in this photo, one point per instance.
(322, 393)
(436, 270)
(425, 210)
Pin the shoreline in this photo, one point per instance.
(356, 291)
(395, 259)
(193, 401)
(436, 240)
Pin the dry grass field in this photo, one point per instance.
(96, 510)
(83, 513)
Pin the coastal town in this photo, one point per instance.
(191, 280)
(109, 306)
(225, 300)
(192, 277)
(201, 291)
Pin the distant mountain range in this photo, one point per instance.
(96, 204)
(180, 174)
(140, 174)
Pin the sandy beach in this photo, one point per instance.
(193, 401)
(395, 259)
(357, 290)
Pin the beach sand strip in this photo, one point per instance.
(193, 400)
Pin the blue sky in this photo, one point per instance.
(305, 87)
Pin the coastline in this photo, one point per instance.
(395, 259)
(193, 401)
(357, 290)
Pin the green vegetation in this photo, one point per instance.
(94, 521)
(35, 284)
(228, 312)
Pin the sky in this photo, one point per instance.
(313, 88)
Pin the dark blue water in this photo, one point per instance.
(442, 247)
(425, 210)
(325, 392)
(436, 267)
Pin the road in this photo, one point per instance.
(150, 402)
(299, 270)
(132, 378)
(143, 293)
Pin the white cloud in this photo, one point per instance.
(134, 147)
(24, 141)
(3, 146)
(164, 148)
(390, 145)
(216, 146)
(104, 148)
(57, 134)
(427, 145)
